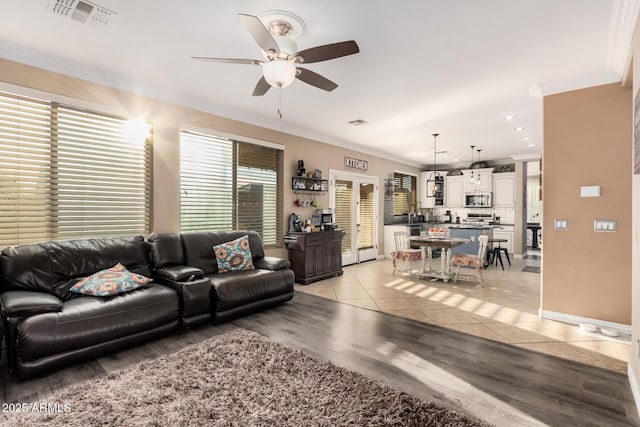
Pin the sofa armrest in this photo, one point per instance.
(179, 273)
(271, 263)
(28, 303)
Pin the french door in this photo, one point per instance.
(354, 199)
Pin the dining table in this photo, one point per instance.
(427, 244)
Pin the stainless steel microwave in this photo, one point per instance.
(478, 200)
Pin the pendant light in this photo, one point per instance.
(472, 177)
(435, 174)
(478, 175)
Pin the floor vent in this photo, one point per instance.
(83, 11)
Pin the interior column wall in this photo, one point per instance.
(587, 140)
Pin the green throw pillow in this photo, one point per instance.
(112, 281)
(234, 255)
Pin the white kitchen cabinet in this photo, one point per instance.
(504, 190)
(505, 232)
(454, 191)
(485, 175)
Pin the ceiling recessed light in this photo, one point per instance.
(519, 129)
(532, 145)
(526, 138)
(357, 122)
(509, 116)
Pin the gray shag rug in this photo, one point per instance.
(239, 378)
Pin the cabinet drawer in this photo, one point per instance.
(314, 239)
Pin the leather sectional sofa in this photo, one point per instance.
(232, 294)
(47, 326)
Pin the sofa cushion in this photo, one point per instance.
(197, 247)
(237, 288)
(234, 255)
(47, 266)
(166, 249)
(111, 281)
(86, 321)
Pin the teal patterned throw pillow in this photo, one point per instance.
(112, 281)
(234, 255)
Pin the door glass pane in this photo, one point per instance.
(367, 216)
(344, 211)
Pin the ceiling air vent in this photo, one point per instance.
(83, 11)
(357, 122)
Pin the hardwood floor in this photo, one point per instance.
(497, 382)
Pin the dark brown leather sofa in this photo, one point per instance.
(185, 261)
(46, 326)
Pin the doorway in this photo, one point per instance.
(354, 199)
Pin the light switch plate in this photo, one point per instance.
(607, 225)
(561, 224)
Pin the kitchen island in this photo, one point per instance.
(470, 232)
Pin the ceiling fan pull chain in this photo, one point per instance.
(280, 101)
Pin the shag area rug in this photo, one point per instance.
(239, 378)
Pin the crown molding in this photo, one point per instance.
(624, 18)
(574, 83)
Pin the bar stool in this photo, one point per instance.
(495, 253)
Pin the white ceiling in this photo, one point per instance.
(454, 67)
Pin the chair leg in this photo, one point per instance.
(480, 277)
(455, 277)
(506, 253)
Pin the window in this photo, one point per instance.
(230, 185)
(67, 173)
(404, 198)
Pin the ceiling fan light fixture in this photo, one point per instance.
(279, 73)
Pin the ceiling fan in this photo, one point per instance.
(281, 55)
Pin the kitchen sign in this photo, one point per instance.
(351, 163)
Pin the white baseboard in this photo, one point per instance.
(635, 387)
(576, 320)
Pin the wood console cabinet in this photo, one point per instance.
(315, 256)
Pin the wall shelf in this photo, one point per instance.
(313, 185)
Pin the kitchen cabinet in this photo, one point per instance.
(505, 232)
(485, 175)
(504, 190)
(454, 191)
(316, 256)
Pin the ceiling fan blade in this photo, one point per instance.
(328, 51)
(315, 79)
(261, 88)
(259, 32)
(228, 60)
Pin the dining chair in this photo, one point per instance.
(472, 261)
(404, 252)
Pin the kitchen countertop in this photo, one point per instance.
(477, 226)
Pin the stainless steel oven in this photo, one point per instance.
(478, 200)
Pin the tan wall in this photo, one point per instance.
(634, 361)
(587, 141)
(167, 120)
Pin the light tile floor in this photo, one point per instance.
(504, 309)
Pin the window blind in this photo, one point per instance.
(344, 212)
(69, 173)
(229, 185)
(367, 217)
(405, 193)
